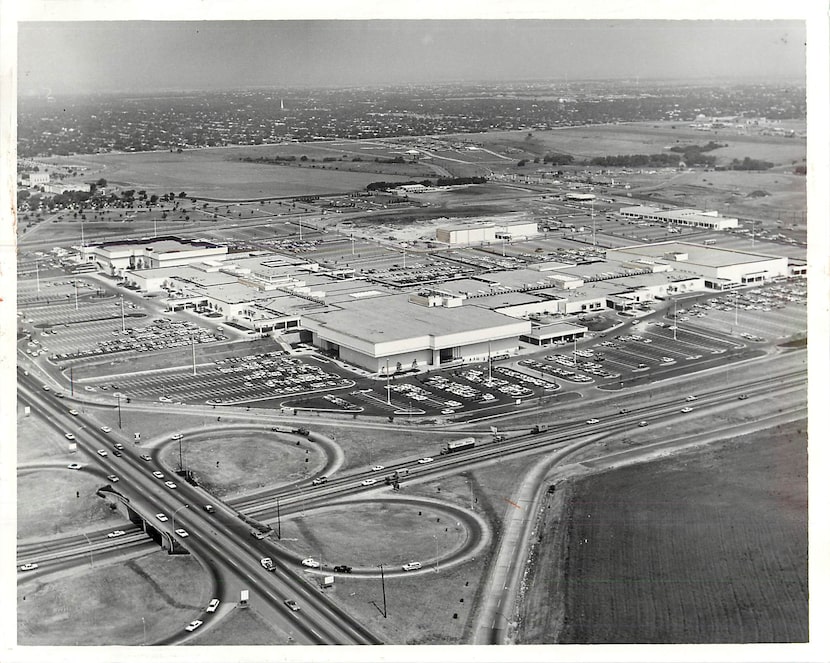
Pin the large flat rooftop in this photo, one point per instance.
(708, 256)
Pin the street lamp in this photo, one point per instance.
(173, 517)
(89, 543)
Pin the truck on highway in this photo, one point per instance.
(458, 445)
(267, 563)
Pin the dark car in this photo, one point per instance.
(342, 568)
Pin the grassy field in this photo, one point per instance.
(704, 547)
(237, 462)
(368, 541)
(241, 627)
(106, 606)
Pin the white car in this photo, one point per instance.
(182, 532)
(592, 421)
(214, 603)
(118, 446)
(158, 475)
(292, 604)
(412, 566)
(311, 563)
(686, 410)
(368, 482)
(74, 413)
(691, 398)
(177, 436)
(144, 457)
(69, 436)
(377, 468)
(192, 626)
(642, 424)
(170, 485)
(31, 566)
(74, 466)
(102, 452)
(115, 533)
(161, 517)
(112, 478)
(106, 429)
(424, 461)
(88, 388)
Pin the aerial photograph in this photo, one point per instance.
(409, 332)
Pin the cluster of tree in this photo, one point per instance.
(274, 159)
(398, 159)
(750, 164)
(450, 181)
(800, 170)
(693, 155)
(637, 160)
(383, 186)
(558, 159)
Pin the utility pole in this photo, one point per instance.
(383, 589)
(279, 521)
(75, 282)
(122, 314)
(37, 277)
(118, 397)
(489, 363)
(193, 350)
(181, 462)
(388, 394)
(594, 222)
(674, 326)
(71, 383)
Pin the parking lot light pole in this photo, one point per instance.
(383, 589)
(123, 328)
(118, 398)
(388, 394)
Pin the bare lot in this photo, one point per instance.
(708, 546)
(113, 603)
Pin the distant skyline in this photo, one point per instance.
(145, 56)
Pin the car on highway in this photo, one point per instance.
(106, 429)
(267, 563)
(691, 398)
(182, 532)
(177, 436)
(144, 457)
(642, 424)
(117, 453)
(342, 568)
(311, 563)
(192, 626)
(319, 481)
(118, 446)
(412, 566)
(46, 387)
(742, 397)
(74, 466)
(88, 388)
(170, 485)
(368, 482)
(158, 475)
(624, 410)
(209, 508)
(102, 452)
(116, 533)
(69, 436)
(425, 460)
(292, 604)
(686, 410)
(214, 603)
(74, 413)
(161, 517)
(31, 566)
(377, 468)
(592, 421)
(447, 410)
(112, 478)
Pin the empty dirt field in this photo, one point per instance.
(705, 547)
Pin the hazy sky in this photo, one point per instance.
(142, 56)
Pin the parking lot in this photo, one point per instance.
(245, 379)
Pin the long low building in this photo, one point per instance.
(693, 218)
(476, 233)
(394, 331)
(720, 268)
(147, 253)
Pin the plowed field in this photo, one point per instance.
(705, 547)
